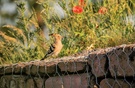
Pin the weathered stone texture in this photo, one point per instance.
(97, 61)
(132, 60)
(69, 81)
(119, 83)
(72, 66)
(17, 81)
(12, 81)
(120, 63)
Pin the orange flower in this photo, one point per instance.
(81, 2)
(102, 10)
(77, 9)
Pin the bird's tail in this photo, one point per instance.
(44, 57)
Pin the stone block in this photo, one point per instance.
(119, 83)
(120, 63)
(72, 66)
(97, 61)
(68, 81)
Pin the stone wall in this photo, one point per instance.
(112, 67)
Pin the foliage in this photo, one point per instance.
(86, 30)
(91, 28)
(23, 42)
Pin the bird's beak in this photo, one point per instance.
(51, 34)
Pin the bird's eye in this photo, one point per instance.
(59, 37)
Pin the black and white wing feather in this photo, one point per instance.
(49, 52)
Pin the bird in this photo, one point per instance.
(56, 47)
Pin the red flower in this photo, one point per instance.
(77, 9)
(102, 10)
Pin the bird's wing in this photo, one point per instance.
(50, 51)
